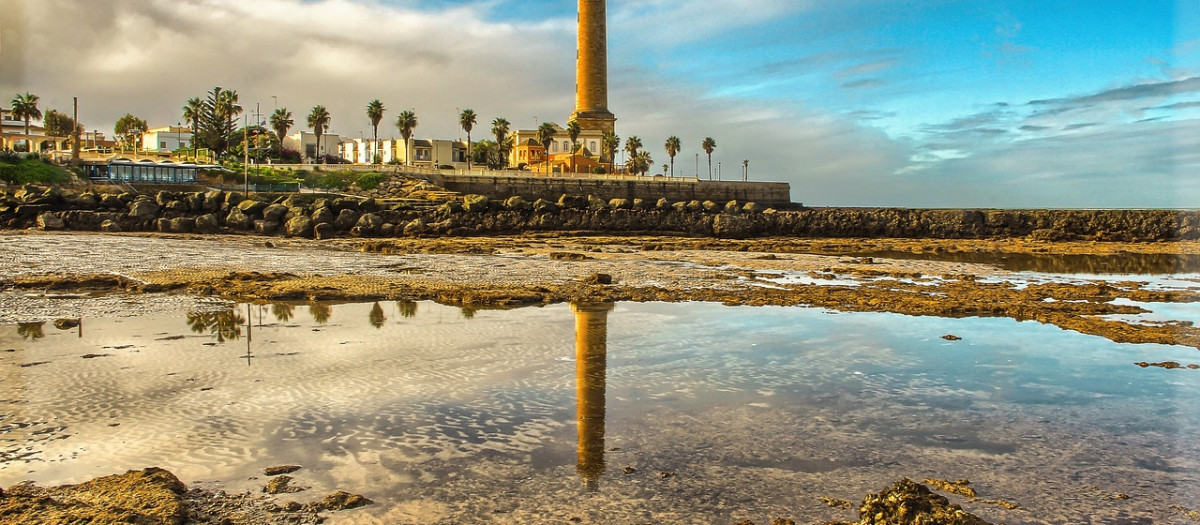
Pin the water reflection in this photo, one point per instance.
(591, 361)
(31, 331)
(283, 312)
(407, 308)
(225, 324)
(1121, 263)
(376, 316)
(320, 312)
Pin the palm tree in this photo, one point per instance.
(407, 121)
(709, 145)
(466, 119)
(281, 122)
(25, 107)
(573, 131)
(632, 145)
(639, 162)
(375, 114)
(192, 112)
(318, 120)
(609, 142)
(500, 130)
(673, 146)
(545, 136)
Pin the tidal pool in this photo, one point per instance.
(626, 413)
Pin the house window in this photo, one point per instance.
(566, 145)
(162, 145)
(592, 146)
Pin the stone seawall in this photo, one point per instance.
(308, 216)
(651, 189)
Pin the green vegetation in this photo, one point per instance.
(504, 142)
(16, 171)
(709, 145)
(326, 179)
(673, 146)
(406, 123)
(129, 130)
(375, 111)
(467, 120)
(545, 136)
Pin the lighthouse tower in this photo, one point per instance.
(591, 69)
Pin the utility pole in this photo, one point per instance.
(75, 129)
(246, 153)
(746, 170)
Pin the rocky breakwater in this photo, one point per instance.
(311, 216)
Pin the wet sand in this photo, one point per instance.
(44, 276)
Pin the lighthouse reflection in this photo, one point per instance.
(591, 348)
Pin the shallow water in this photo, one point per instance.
(446, 415)
(1114, 264)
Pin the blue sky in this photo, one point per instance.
(982, 103)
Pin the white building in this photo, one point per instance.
(425, 153)
(167, 139)
(306, 143)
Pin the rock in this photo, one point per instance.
(50, 221)
(281, 485)
(275, 212)
(908, 502)
(679, 206)
(66, 324)
(346, 219)
(620, 204)
(640, 204)
(662, 204)
(252, 207)
(143, 210)
(213, 200)
(208, 223)
(414, 227)
(595, 203)
(475, 203)
(181, 225)
(368, 224)
(112, 201)
(344, 500)
(694, 205)
(195, 201)
(733, 206)
(238, 220)
(516, 203)
(110, 226)
(711, 207)
(176, 207)
(265, 227)
(571, 202)
(324, 230)
(751, 207)
(727, 226)
(162, 198)
(599, 278)
(322, 215)
(152, 497)
(544, 206)
(299, 227)
(951, 337)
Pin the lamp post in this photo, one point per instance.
(746, 170)
(718, 170)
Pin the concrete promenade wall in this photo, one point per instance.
(550, 188)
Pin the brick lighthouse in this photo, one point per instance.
(591, 69)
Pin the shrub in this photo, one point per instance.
(369, 181)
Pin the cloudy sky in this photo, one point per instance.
(947, 103)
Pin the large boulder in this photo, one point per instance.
(181, 225)
(213, 200)
(620, 204)
(324, 230)
(299, 227)
(110, 226)
(322, 215)
(414, 227)
(238, 220)
(711, 207)
(733, 206)
(265, 227)
(251, 207)
(346, 219)
(572, 201)
(662, 204)
(367, 225)
(596, 203)
(208, 223)
(544, 206)
(50, 221)
(516, 203)
(274, 212)
(112, 201)
(143, 210)
(475, 203)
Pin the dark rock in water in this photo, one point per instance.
(66, 324)
(151, 496)
(281, 485)
(344, 500)
(599, 278)
(908, 502)
(324, 230)
(726, 226)
(50, 221)
(951, 337)
(281, 469)
(568, 256)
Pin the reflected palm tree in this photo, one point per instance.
(283, 312)
(591, 361)
(376, 317)
(225, 325)
(320, 312)
(407, 308)
(466, 312)
(31, 331)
